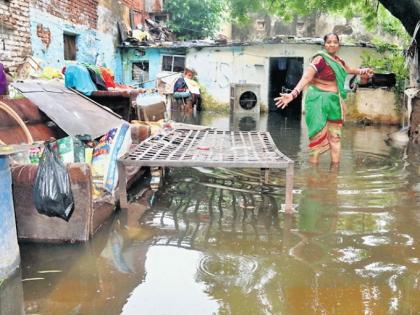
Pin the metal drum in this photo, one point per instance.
(9, 249)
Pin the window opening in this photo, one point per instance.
(70, 48)
(173, 63)
(140, 71)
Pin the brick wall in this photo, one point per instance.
(142, 8)
(44, 34)
(137, 5)
(15, 41)
(82, 12)
(154, 5)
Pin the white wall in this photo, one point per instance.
(378, 105)
(218, 67)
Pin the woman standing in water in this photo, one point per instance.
(324, 101)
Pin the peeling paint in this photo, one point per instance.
(78, 12)
(92, 46)
(218, 67)
(44, 34)
(152, 55)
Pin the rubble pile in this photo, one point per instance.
(145, 34)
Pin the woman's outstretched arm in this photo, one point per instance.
(286, 98)
(359, 71)
(364, 73)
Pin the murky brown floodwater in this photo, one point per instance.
(215, 241)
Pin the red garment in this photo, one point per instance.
(108, 77)
(324, 71)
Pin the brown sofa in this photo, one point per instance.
(89, 213)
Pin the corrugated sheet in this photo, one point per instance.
(73, 113)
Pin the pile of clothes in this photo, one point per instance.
(89, 78)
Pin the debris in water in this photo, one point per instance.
(32, 279)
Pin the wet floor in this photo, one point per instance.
(216, 241)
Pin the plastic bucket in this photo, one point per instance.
(9, 249)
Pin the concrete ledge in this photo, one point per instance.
(378, 105)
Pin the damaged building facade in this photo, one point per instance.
(262, 68)
(264, 25)
(15, 38)
(65, 31)
(59, 32)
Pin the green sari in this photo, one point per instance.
(322, 107)
(338, 68)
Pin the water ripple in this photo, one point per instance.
(351, 255)
(229, 269)
(375, 240)
(377, 269)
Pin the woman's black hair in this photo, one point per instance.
(329, 34)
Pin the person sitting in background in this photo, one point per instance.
(188, 90)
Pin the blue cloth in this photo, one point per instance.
(182, 94)
(78, 77)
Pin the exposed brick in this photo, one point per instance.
(16, 32)
(77, 11)
(44, 34)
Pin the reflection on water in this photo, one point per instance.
(215, 241)
(11, 295)
(171, 282)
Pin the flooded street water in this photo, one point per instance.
(216, 241)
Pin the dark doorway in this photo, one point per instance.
(140, 72)
(285, 73)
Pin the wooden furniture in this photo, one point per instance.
(208, 148)
(89, 213)
(121, 102)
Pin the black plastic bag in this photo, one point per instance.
(52, 193)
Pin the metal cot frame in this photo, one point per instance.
(208, 148)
